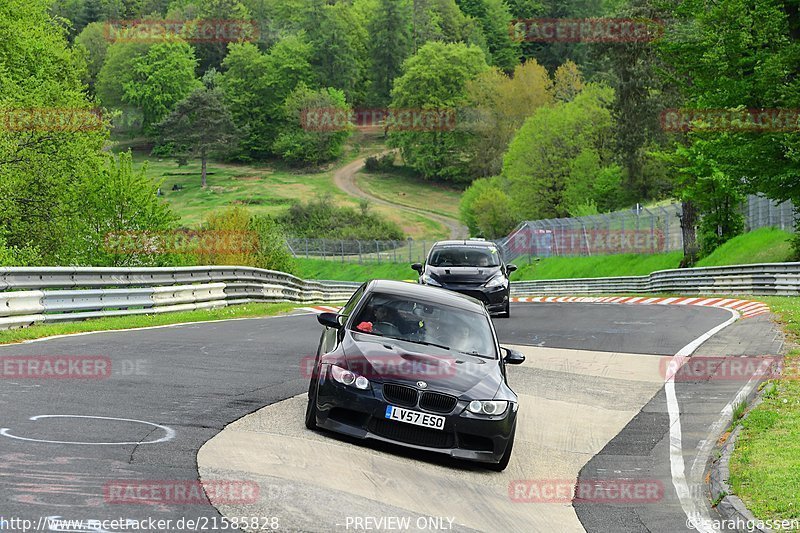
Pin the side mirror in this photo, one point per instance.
(417, 267)
(511, 268)
(330, 320)
(513, 357)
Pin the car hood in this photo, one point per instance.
(381, 359)
(462, 274)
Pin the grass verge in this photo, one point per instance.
(335, 270)
(143, 321)
(766, 245)
(765, 466)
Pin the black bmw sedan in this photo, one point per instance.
(417, 366)
(472, 267)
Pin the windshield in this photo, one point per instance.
(425, 323)
(464, 256)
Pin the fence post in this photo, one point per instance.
(410, 243)
(342, 243)
(394, 250)
(359, 253)
(306, 247)
(378, 251)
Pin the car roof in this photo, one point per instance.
(428, 293)
(464, 242)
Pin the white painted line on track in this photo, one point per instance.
(691, 507)
(169, 433)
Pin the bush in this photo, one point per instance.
(321, 219)
(486, 209)
(796, 247)
(247, 240)
(376, 163)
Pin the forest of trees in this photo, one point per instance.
(543, 129)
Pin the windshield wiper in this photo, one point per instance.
(475, 354)
(442, 346)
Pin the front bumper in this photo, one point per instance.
(361, 414)
(495, 298)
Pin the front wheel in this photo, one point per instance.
(311, 408)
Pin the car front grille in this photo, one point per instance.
(418, 436)
(437, 402)
(478, 295)
(400, 394)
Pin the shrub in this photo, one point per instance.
(322, 219)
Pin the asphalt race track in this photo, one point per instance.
(172, 389)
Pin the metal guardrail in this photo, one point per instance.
(55, 294)
(766, 279)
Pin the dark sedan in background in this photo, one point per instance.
(472, 267)
(417, 366)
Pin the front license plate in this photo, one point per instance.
(414, 417)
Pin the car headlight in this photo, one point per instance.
(428, 280)
(487, 407)
(498, 280)
(351, 379)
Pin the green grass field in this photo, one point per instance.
(766, 245)
(143, 321)
(334, 270)
(765, 466)
(264, 189)
(412, 191)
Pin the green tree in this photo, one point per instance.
(200, 125)
(161, 78)
(117, 71)
(486, 208)
(43, 165)
(93, 41)
(121, 201)
(213, 12)
(256, 86)
(736, 55)
(338, 59)
(494, 18)
(551, 163)
(390, 29)
(499, 105)
(436, 78)
(298, 143)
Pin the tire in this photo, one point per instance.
(311, 408)
(500, 466)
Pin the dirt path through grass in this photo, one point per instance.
(345, 179)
